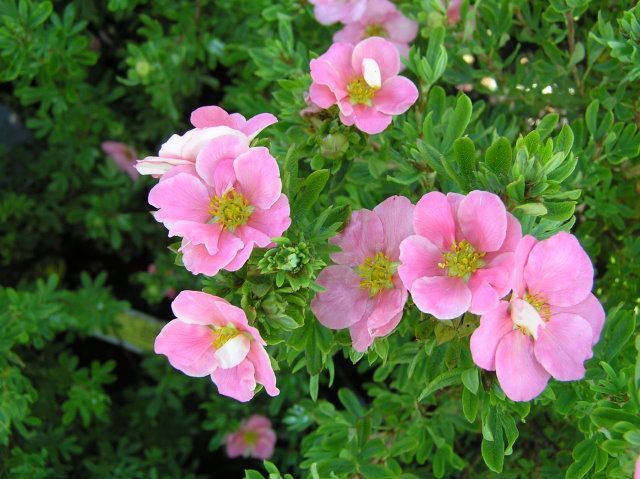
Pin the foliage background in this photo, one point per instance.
(76, 237)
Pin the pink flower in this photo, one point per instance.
(332, 11)
(123, 156)
(380, 19)
(636, 475)
(460, 258)
(210, 122)
(363, 81)
(230, 202)
(362, 290)
(550, 324)
(212, 337)
(254, 438)
(453, 10)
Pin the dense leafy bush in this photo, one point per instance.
(534, 101)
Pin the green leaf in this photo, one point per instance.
(470, 379)
(532, 209)
(591, 117)
(465, 154)
(498, 157)
(470, 405)
(351, 403)
(559, 211)
(311, 189)
(458, 122)
(446, 379)
(493, 451)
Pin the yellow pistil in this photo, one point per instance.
(360, 93)
(250, 438)
(375, 30)
(224, 334)
(230, 210)
(462, 260)
(541, 306)
(376, 273)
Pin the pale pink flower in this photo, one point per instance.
(636, 475)
(343, 11)
(254, 438)
(228, 203)
(211, 337)
(461, 257)
(210, 122)
(123, 155)
(311, 108)
(381, 18)
(549, 326)
(362, 290)
(363, 81)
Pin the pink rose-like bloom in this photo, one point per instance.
(211, 337)
(210, 122)
(254, 438)
(332, 11)
(380, 19)
(364, 82)
(123, 156)
(230, 202)
(549, 326)
(461, 257)
(362, 290)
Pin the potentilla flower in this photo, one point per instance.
(212, 337)
(362, 290)
(254, 438)
(210, 122)
(461, 257)
(123, 155)
(364, 82)
(228, 203)
(381, 18)
(550, 324)
(332, 11)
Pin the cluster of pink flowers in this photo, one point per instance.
(359, 72)
(454, 254)
(223, 198)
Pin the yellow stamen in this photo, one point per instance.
(376, 273)
(250, 438)
(462, 260)
(375, 30)
(360, 93)
(230, 210)
(223, 334)
(541, 306)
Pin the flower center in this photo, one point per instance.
(222, 335)
(462, 260)
(376, 273)
(230, 210)
(250, 438)
(361, 93)
(375, 30)
(540, 305)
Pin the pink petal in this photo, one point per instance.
(197, 260)
(207, 116)
(396, 96)
(444, 297)
(258, 123)
(521, 377)
(401, 29)
(433, 219)
(322, 95)
(513, 235)
(257, 421)
(196, 307)
(157, 166)
(378, 49)
(235, 444)
(418, 257)
(343, 302)
(195, 140)
(183, 197)
(198, 233)
(559, 270)
(369, 120)
(188, 347)
(483, 220)
(484, 340)
(589, 309)
(219, 150)
(363, 237)
(238, 383)
(274, 221)
(520, 258)
(491, 283)
(263, 449)
(333, 68)
(258, 177)
(396, 216)
(563, 345)
(263, 370)
(387, 304)
(351, 33)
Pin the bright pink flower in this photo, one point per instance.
(332, 11)
(362, 290)
(230, 202)
(363, 81)
(550, 324)
(380, 19)
(123, 156)
(210, 122)
(254, 438)
(460, 258)
(212, 337)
